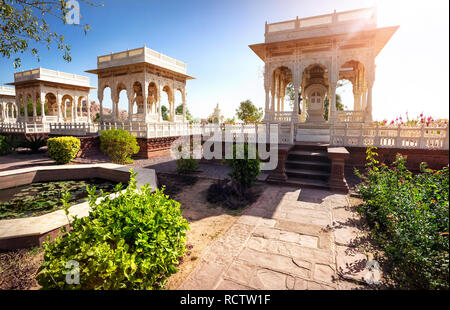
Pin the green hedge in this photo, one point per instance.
(119, 145)
(63, 149)
(131, 242)
(410, 219)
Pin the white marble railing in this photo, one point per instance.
(367, 15)
(364, 135)
(350, 116)
(73, 129)
(281, 116)
(22, 127)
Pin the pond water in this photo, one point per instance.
(39, 198)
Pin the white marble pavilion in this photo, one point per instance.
(55, 97)
(313, 54)
(145, 75)
(8, 108)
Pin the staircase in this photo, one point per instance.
(307, 165)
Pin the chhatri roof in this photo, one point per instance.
(52, 76)
(319, 30)
(142, 55)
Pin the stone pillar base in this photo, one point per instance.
(279, 174)
(337, 181)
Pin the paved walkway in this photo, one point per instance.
(289, 239)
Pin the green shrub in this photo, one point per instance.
(119, 145)
(63, 149)
(186, 165)
(6, 145)
(245, 170)
(133, 241)
(409, 215)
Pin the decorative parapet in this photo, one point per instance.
(48, 75)
(328, 24)
(7, 91)
(139, 55)
(364, 135)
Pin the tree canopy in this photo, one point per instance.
(26, 24)
(249, 113)
(179, 111)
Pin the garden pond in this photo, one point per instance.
(40, 198)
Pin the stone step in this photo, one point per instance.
(308, 174)
(305, 155)
(307, 164)
(306, 183)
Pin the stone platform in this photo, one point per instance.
(288, 240)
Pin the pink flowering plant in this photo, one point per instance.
(418, 121)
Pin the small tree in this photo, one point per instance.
(249, 113)
(24, 22)
(118, 144)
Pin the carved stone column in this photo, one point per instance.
(368, 111)
(332, 116)
(184, 104)
(88, 107)
(100, 100)
(42, 99)
(34, 104)
(75, 109)
(144, 100)
(59, 103)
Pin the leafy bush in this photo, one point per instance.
(410, 219)
(245, 170)
(119, 145)
(34, 143)
(132, 241)
(6, 145)
(63, 149)
(186, 165)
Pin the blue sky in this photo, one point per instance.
(212, 37)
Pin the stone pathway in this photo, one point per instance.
(289, 239)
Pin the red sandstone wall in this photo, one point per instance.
(436, 159)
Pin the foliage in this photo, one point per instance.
(40, 198)
(25, 22)
(97, 117)
(119, 145)
(132, 241)
(249, 113)
(230, 121)
(34, 143)
(410, 219)
(179, 111)
(164, 113)
(245, 166)
(326, 104)
(63, 149)
(6, 145)
(186, 165)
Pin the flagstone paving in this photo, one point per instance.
(289, 239)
